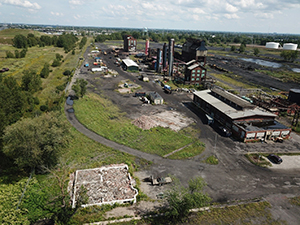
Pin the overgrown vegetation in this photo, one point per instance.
(212, 160)
(100, 115)
(258, 159)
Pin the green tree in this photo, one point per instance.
(242, 48)
(12, 104)
(232, 48)
(36, 142)
(181, 199)
(23, 53)
(55, 63)
(20, 41)
(9, 54)
(17, 54)
(289, 55)
(45, 71)
(80, 87)
(31, 81)
(256, 51)
(82, 42)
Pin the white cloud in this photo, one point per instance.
(56, 14)
(197, 11)
(231, 16)
(77, 17)
(76, 2)
(264, 15)
(230, 8)
(22, 3)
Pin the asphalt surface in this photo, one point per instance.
(234, 178)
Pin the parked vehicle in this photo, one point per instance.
(226, 132)
(167, 89)
(160, 180)
(275, 158)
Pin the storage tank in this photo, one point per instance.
(273, 45)
(290, 46)
(294, 96)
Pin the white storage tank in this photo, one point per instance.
(273, 45)
(290, 46)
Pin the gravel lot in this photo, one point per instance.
(288, 163)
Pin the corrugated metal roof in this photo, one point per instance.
(193, 66)
(228, 110)
(190, 62)
(233, 98)
(129, 62)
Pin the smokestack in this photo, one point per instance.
(171, 56)
(158, 60)
(164, 62)
(147, 47)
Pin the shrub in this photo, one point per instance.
(43, 108)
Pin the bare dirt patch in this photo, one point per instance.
(168, 119)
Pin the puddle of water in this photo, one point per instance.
(297, 70)
(262, 62)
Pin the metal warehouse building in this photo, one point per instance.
(246, 121)
(130, 65)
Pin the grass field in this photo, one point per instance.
(100, 115)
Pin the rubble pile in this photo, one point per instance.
(173, 120)
(105, 185)
(145, 122)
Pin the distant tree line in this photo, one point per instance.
(208, 37)
(66, 41)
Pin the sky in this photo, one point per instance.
(261, 16)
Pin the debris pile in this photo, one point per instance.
(106, 185)
(173, 120)
(145, 122)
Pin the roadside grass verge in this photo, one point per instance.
(252, 213)
(258, 159)
(188, 152)
(103, 117)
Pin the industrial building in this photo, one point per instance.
(105, 185)
(194, 49)
(294, 96)
(129, 65)
(246, 122)
(156, 98)
(129, 43)
(193, 73)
